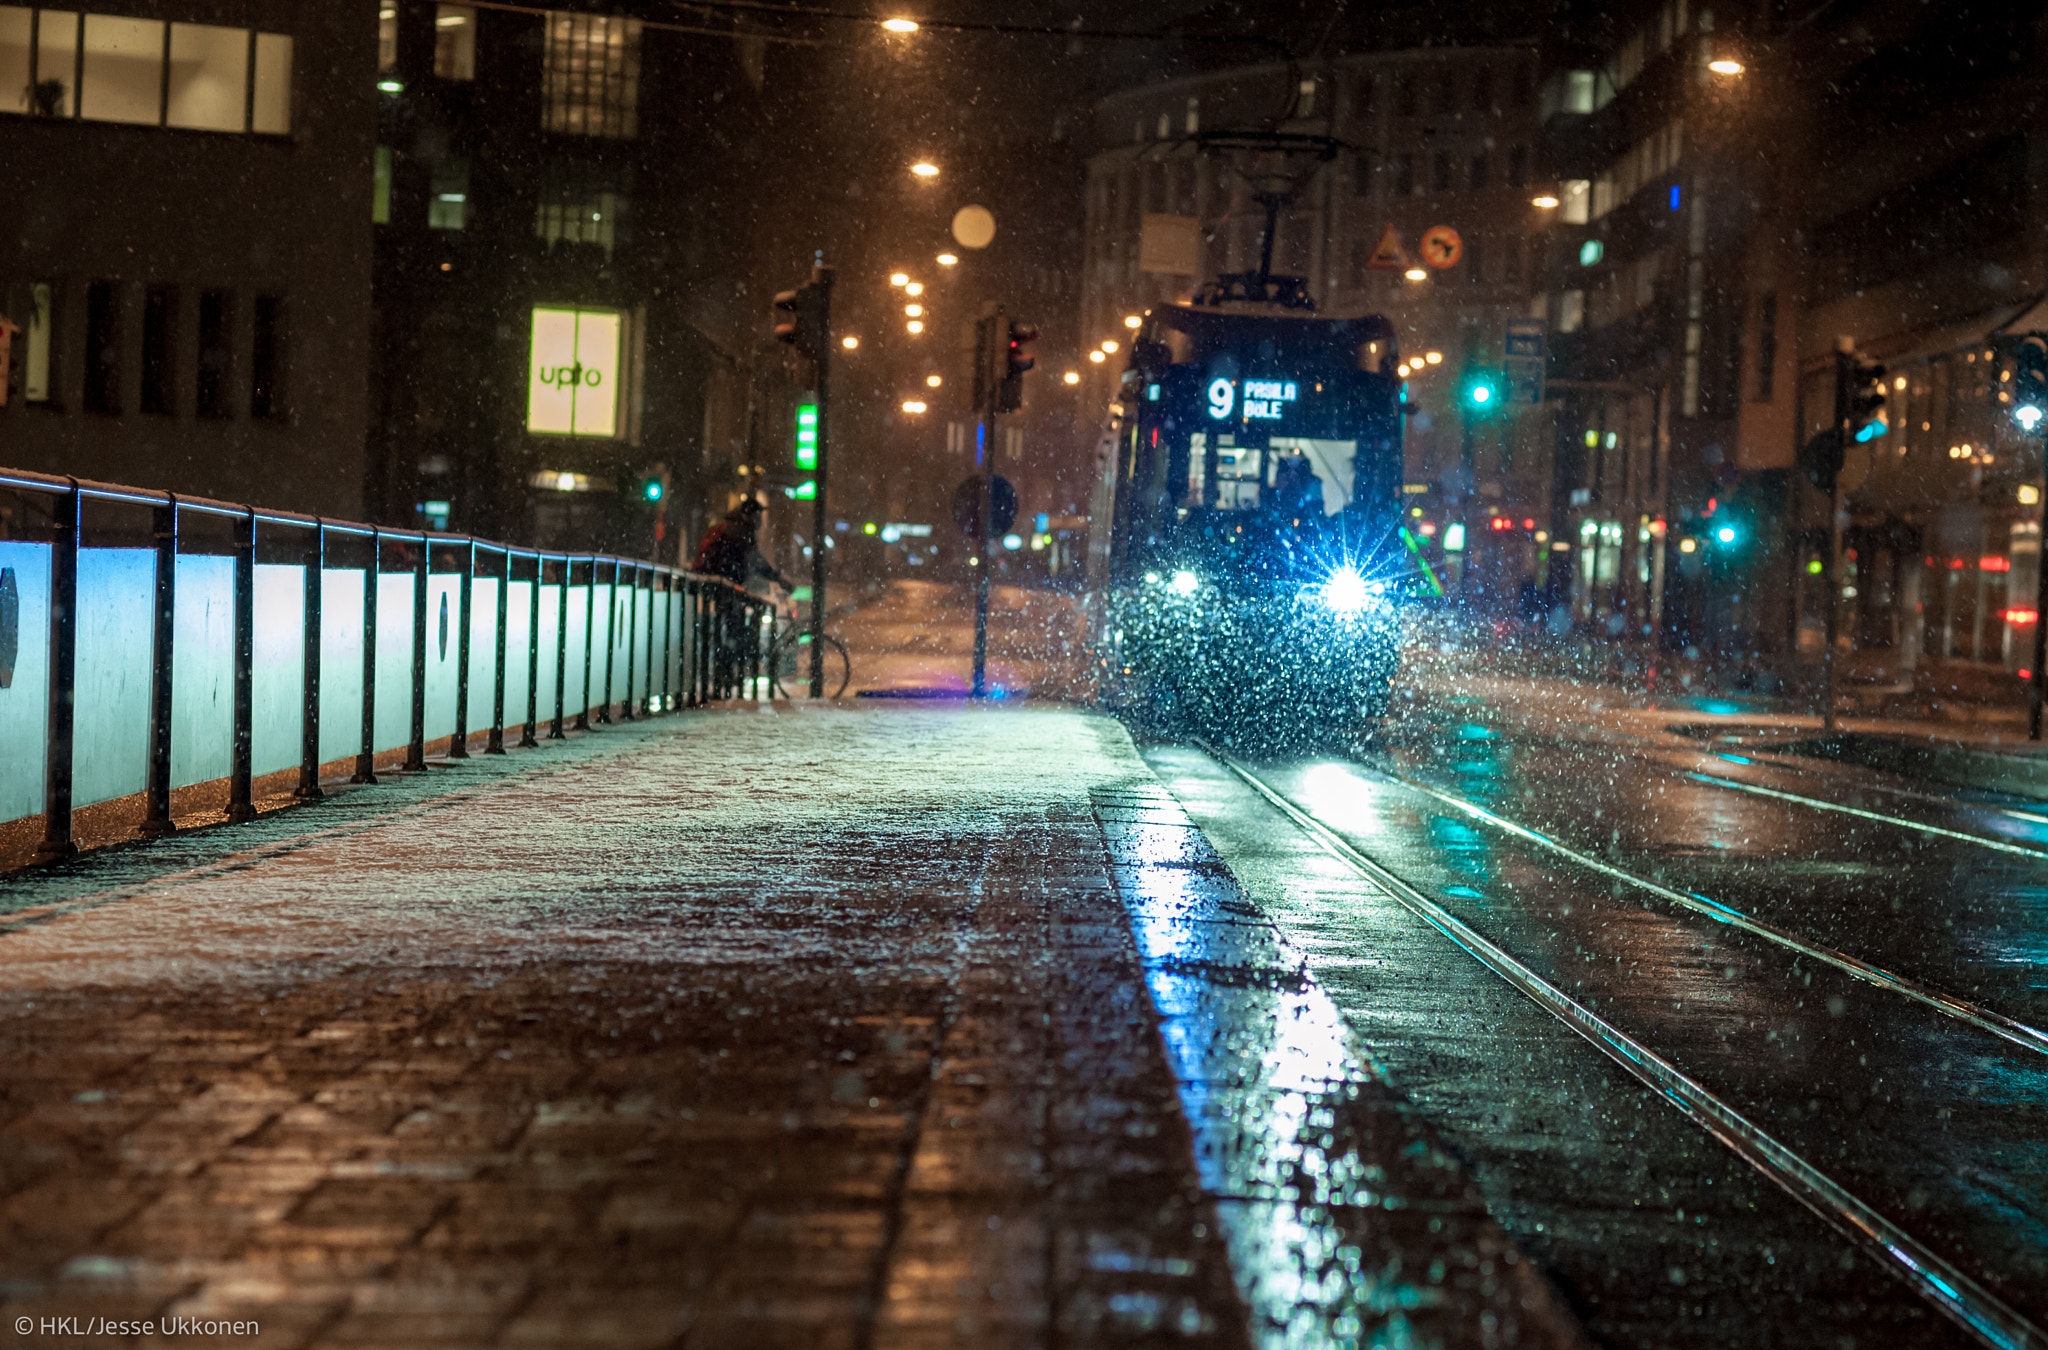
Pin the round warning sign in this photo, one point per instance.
(1441, 247)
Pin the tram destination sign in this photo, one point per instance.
(1261, 400)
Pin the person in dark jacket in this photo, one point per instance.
(731, 548)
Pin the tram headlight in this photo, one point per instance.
(1346, 592)
(1185, 583)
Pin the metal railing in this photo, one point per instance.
(146, 612)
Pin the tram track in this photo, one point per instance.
(1973, 1307)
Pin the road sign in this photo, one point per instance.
(1522, 356)
(1002, 506)
(1387, 254)
(1441, 247)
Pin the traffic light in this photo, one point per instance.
(651, 488)
(807, 434)
(1481, 391)
(1017, 359)
(1865, 396)
(2030, 381)
(803, 318)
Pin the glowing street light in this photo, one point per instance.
(1072, 377)
(1416, 274)
(849, 342)
(1132, 321)
(900, 25)
(914, 311)
(948, 259)
(915, 326)
(1109, 345)
(913, 405)
(1434, 358)
(1097, 357)
(913, 288)
(1546, 202)
(899, 278)
(1725, 67)
(934, 381)
(924, 168)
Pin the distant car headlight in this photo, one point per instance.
(1185, 583)
(1346, 592)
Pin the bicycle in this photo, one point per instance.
(787, 656)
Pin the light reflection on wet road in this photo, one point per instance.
(1939, 1125)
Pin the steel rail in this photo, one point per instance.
(1969, 1304)
(1822, 804)
(1951, 1005)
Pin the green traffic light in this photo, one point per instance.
(1482, 394)
(651, 490)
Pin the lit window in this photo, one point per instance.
(380, 187)
(583, 204)
(122, 75)
(56, 73)
(448, 204)
(573, 372)
(454, 42)
(270, 109)
(209, 77)
(387, 36)
(590, 75)
(35, 375)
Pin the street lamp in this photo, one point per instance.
(913, 405)
(1098, 357)
(1725, 67)
(934, 381)
(1546, 202)
(914, 311)
(925, 169)
(915, 326)
(1416, 274)
(948, 259)
(1072, 377)
(913, 288)
(1132, 321)
(1109, 345)
(1434, 358)
(899, 278)
(849, 342)
(900, 25)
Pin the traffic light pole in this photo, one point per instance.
(1831, 588)
(2039, 680)
(821, 277)
(988, 374)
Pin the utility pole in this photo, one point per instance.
(1830, 581)
(821, 283)
(988, 342)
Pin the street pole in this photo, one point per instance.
(988, 377)
(1830, 583)
(2036, 685)
(821, 277)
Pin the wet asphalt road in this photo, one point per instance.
(1656, 1232)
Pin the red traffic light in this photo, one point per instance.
(802, 318)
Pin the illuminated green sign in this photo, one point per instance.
(807, 435)
(572, 384)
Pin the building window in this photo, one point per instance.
(573, 372)
(35, 373)
(209, 77)
(1361, 176)
(159, 347)
(1482, 90)
(1475, 271)
(1480, 168)
(1518, 165)
(1194, 117)
(1766, 346)
(1575, 201)
(144, 72)
(1440, 171)
(1525, 86)
(1404, 94)
(1571, 311)
(121, 78)
(579, 206)
(216, 321)
(448, 203)
(454, 42)
(1363, 94)
(103, 347)
(1404, 174)
(267, 358)
(380, 187)
(591, 76)
(1446, 91)
(387, 37)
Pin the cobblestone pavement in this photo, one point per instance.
(819, 1027)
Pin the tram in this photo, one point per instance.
(1252, 572)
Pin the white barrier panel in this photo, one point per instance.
(341, 663)
(444, 619)
(203, 671)
(116, 637)
(394, 659)
(550, 635)
(518, 641)
(483, 650)
(25, 697)
(573, 685)
(278, 683)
